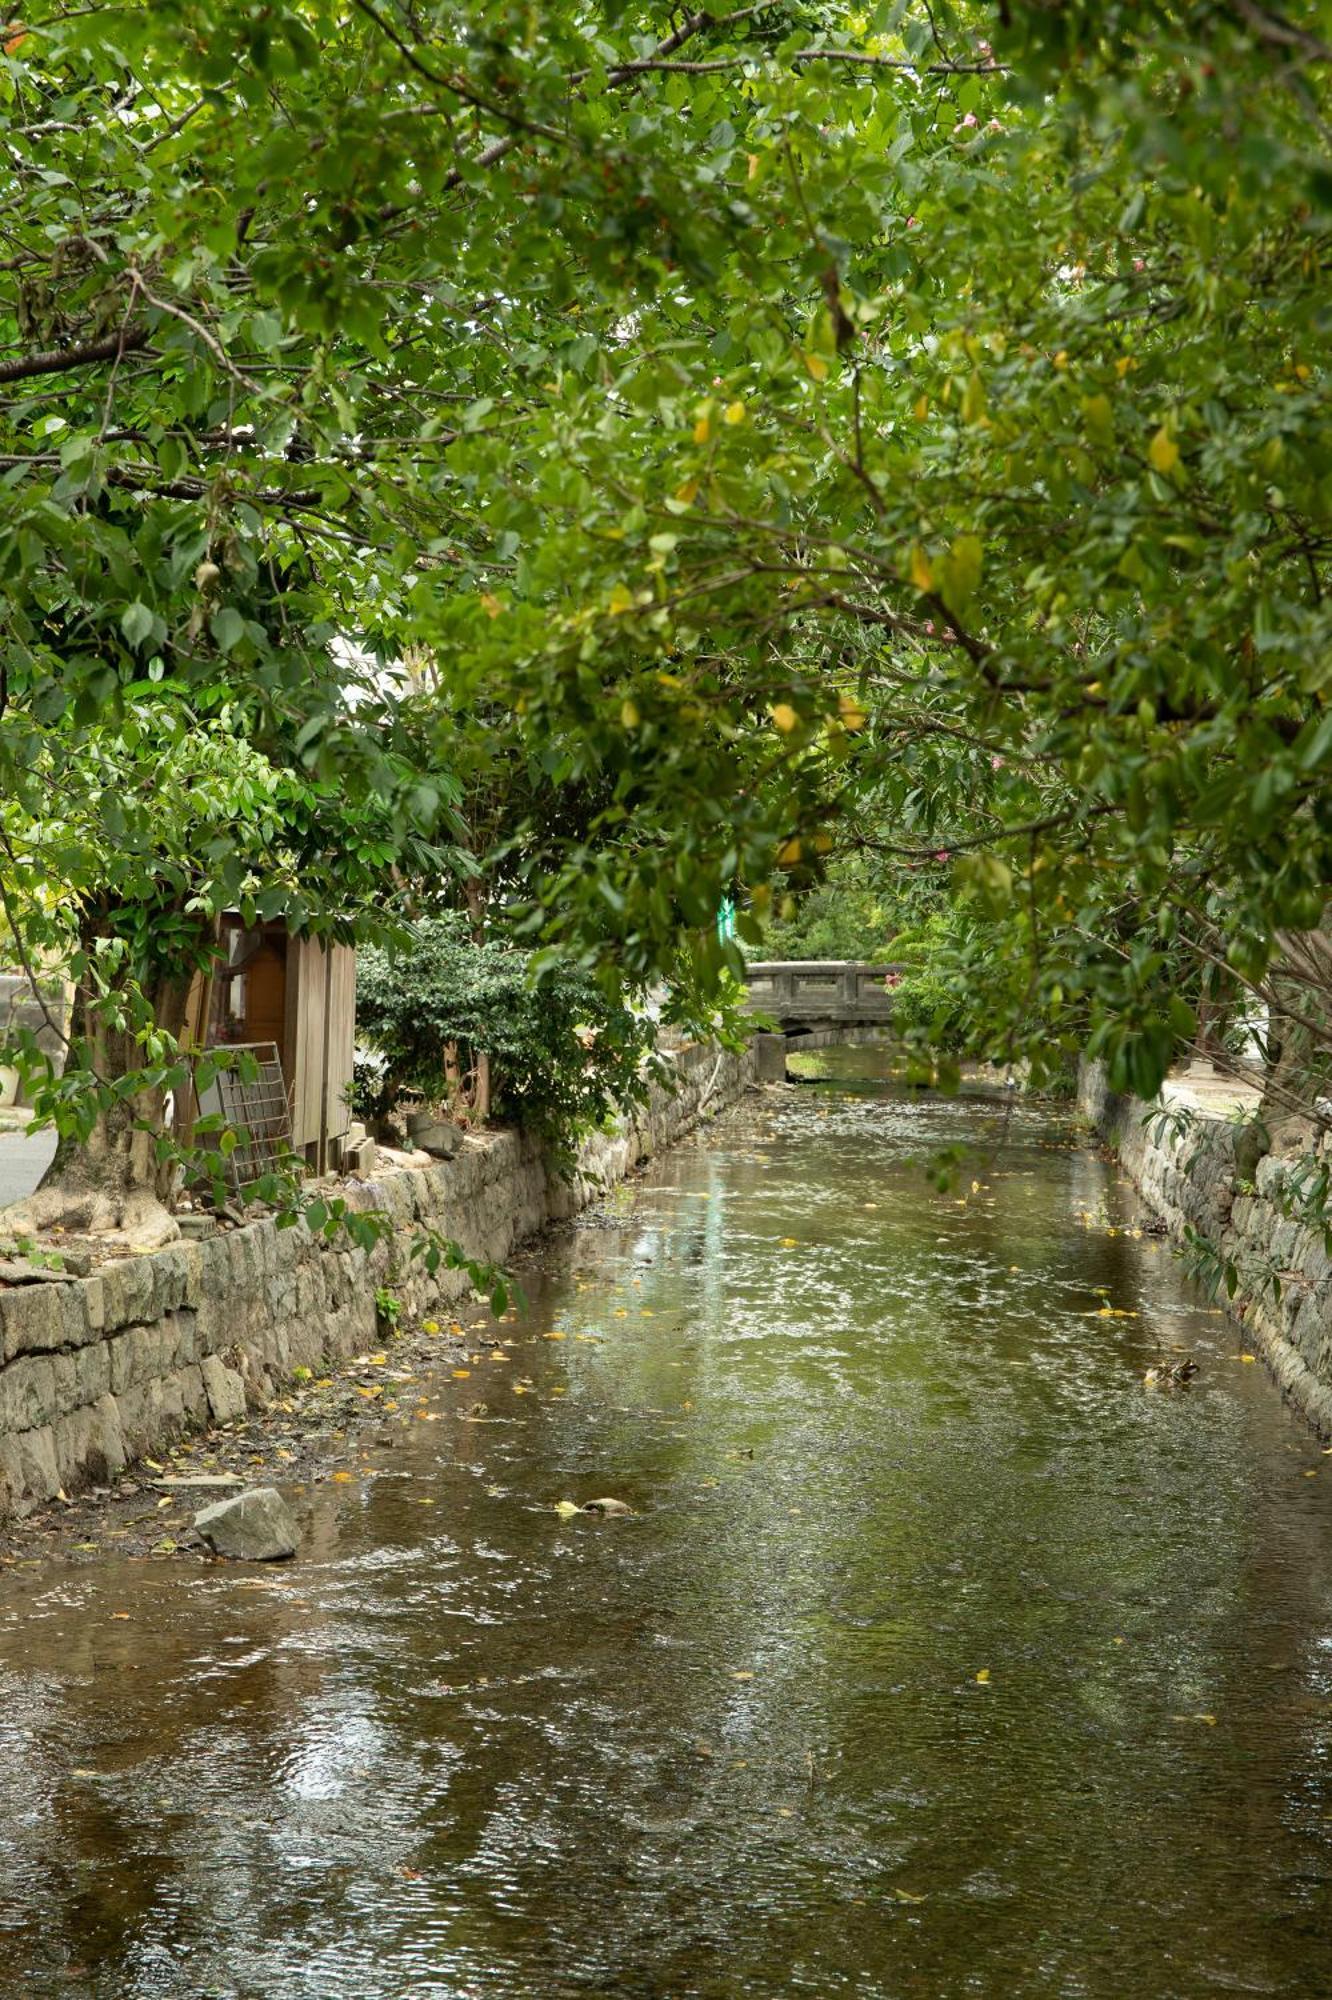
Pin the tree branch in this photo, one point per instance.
(132, 338)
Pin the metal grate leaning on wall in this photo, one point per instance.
(252, 1099)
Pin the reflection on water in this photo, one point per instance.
(942, 1658)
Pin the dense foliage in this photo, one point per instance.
(695, 447)
(563, 1055)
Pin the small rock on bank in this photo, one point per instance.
(256, 1526)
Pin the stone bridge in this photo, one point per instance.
(816, 1002)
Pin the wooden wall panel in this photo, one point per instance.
(341, 1038)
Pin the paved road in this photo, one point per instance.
(23, 1161)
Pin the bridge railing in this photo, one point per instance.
(829, 989)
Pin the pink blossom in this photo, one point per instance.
(929, 628)
(943, 855)
(1139, 264)
(996, 763)
(893, 979)
(994, 126)
(912, 223)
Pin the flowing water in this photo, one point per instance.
(941, 1658)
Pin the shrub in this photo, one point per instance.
(564, 1056)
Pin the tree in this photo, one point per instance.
(791, 432)
(124, 847)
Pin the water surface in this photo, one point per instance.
(942, 1658)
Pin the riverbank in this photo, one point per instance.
(101, 1372)
(1212, 1174)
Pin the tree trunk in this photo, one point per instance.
(110, 1184)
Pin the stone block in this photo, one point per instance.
(151, 1413)
(80, 1377)
(226, 1390)
(89, 1445)
(193, 1393)
(39, 1477)
(94, 1304)
(12, 1494)
(128, 1288)
(27, 1393)
(171, 1278)
(34, 1318)
(180, 1338)
(137, 1355)
(192, 1264)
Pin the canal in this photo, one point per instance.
(941, 1657)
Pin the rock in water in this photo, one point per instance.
(605, 1507)
(256, 1526)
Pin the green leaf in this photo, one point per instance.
(227, 627)
(137, 624)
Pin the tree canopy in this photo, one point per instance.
(786, 432)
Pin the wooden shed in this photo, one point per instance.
(292, 999)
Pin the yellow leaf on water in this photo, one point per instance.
(461, 1374)
(566, 1509)
(342, 1478)
(1248, 1357)
(790, 1242)
(905, 1896)
(983, 1677)
(742, 1674)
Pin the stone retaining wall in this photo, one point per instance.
(1218, 1176)
(97, 1371)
